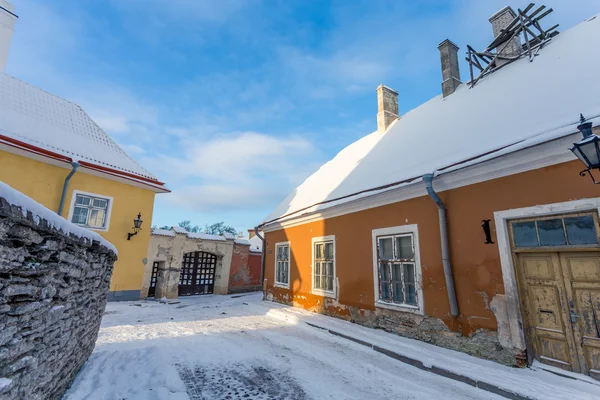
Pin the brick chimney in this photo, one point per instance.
(500, 20)
(450, 72)
(8, 19)
(387, 107)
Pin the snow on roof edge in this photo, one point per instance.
(39, 212)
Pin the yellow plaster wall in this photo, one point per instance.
(44, 182)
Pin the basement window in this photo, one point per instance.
(282, 264)
(397, 270)
(323, 270)
(90, 210)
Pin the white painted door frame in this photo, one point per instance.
(511, 292)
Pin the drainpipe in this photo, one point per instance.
(428, 178)
(262, 259)
(75, 165)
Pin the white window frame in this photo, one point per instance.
(399, 230)
(281, 284)
(320, 292)
(108, 209)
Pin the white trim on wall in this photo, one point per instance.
(535, 157)
(279, 284)
(511, 292)
(332, 294)
(398, 230)
(108, 209)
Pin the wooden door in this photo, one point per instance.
(544, 305)
(581, 272)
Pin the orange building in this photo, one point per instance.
(464, 222)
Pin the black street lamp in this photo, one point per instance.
(588, 148)
(137, 226)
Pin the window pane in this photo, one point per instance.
(100, 203)
(404, 247)
(551, 232)
(317, 282)
(386, 251)
(581, 230)
(525, 234)
(286, 252)
(409, 284)
(317, 268)
(398, 296)
(284, 272)
(279, 252)
(329, 270)
(82, 200)
(330, 283)
(329, 251)
(96, 218)
(75, 217)
(319, 251)
(384, 272)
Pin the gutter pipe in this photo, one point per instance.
(75, 165)
(428, 179)
(262, 258)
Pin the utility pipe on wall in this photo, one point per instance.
(428, 179)
(75, 165)
(262, 259)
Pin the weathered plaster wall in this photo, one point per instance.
(244, 275)
(53, 290)
(169, 251)
(482, 324)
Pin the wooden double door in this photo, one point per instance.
(197, 274)
(560, 300)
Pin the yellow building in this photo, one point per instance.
(53, 152)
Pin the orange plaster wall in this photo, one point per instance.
(476, 266)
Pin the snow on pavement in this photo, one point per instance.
(219, 347)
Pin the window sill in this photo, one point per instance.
(281, 285)
(399, 307)
(323, 293)
(91, 228)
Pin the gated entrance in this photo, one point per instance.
(152, 288)
(197, 274)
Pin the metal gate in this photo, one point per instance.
(152, 288)
(197, 274)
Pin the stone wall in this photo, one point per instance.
(53, 290)
(244, 275)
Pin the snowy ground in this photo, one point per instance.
(219, 347)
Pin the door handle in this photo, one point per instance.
(574, 316)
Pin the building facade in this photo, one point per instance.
(464, 223)
(53, 152)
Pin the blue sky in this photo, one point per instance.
(234, 103)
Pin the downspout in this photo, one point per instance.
(262, 259)
(75, 165)
(428, 179)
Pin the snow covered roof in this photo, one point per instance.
(255, 244)
(243, 242)
(205, 236)
(522, 104)
(179, 229)
(163, 232)
(39, 212)
(38, 119)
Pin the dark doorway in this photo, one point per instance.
(152, 288)
(197, 274)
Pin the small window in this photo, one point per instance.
(397, 278)
(324, 265)
(571, 230)
(90, 211)
(282, 264)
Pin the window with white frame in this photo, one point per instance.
(90, 211)
(397, 268)
(282, 264)
(324, 264)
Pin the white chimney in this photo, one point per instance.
(8, 19)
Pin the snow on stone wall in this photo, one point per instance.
(53, 290)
